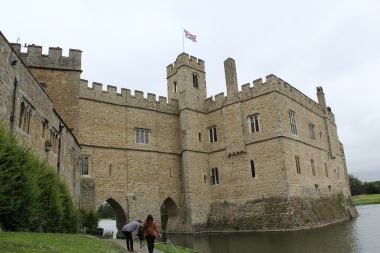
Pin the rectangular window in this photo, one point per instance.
(254, 123)
(142, 136)
(320, 137)
(293, 123)
(253, 169)
(213, 135)
(298, 167)
(214, 176)
(175, 87)
(84, 164)
(326, 170)
(311, 131)
(312, 167)
(199, 137)
(195, 81)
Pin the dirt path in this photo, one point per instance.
(136, 246)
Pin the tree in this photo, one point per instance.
(356, 185)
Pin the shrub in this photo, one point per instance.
(90, 219)
(32, 196)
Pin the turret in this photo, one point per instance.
(231, 77)
(186, 81)
(321, 97)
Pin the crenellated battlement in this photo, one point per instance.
(53, 60)
(258, 87)
(126, 98)
(185, 60)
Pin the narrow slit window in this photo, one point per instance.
(312, 167)
(175, 87)
(195, 81)
(298, 167)
(253, 169)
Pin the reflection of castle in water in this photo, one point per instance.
(265, 157)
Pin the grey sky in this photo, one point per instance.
(128, 44)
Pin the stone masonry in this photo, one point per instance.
(265, 157)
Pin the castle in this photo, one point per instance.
(266, 157)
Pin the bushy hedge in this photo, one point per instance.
(32, 196)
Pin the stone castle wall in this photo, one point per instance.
(43, 141)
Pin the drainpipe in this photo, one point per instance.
(13, 116)
(59, 147)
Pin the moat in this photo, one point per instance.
(358, 235)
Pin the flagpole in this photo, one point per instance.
(183, 40)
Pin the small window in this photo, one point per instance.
(326, 170)
(316, 187)
(199, 137)
(298, 167)
(214, 176)
(312, 167)
(213, 135)
(204, 178)
(254, 123)
(320, 137)
(253, 169)
(311, 131)
(84, 164)
(329, 186)
(293, 123)
(142, 136)
(175, 87)
(195, 81)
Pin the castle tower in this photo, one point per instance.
(60, 76)
(186, 82)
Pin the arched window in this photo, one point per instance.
(253, 169)
(195, 80)
(84, 165)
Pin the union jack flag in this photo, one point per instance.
(190, 36)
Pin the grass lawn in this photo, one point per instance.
(366, 199)
(169, 249)
(20, 242)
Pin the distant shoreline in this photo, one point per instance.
(366, 199)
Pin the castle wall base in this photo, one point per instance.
(276, 214)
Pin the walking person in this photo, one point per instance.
(129, 229)
(150, 231)
(141, 237)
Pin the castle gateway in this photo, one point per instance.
(265, 157)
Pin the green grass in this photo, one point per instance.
(366, 199)
(169, 249)
(20, 242)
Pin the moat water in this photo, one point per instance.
(358, 235)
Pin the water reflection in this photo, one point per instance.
(360, 235)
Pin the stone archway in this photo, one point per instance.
(121, 218)
(169, 215)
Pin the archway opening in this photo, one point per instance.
(111, 210)
(169, 215)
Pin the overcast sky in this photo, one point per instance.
(335, 44)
